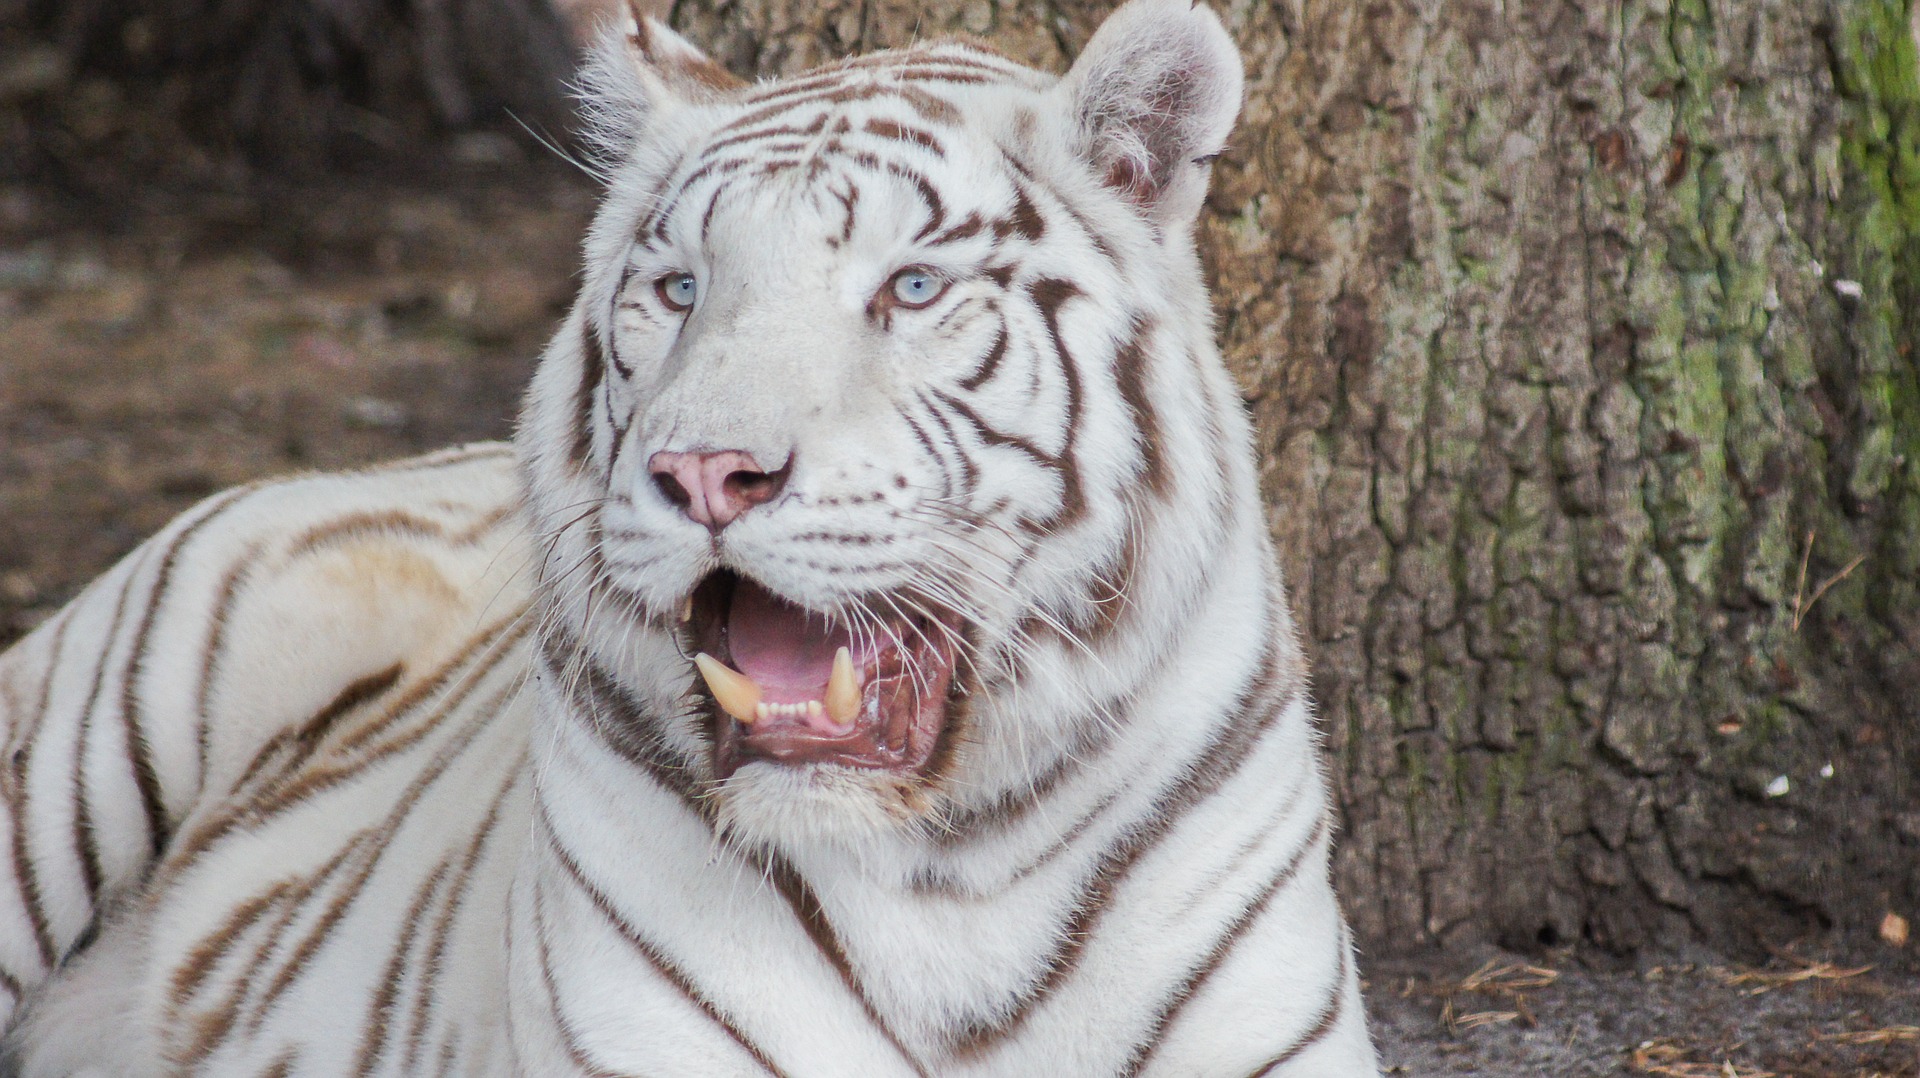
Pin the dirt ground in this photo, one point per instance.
(156, 351)
(152, 354)
(1683, 1016)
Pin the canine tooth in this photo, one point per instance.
(686, 609)
(735, 692)
(843, 691)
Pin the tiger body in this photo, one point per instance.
(408, 771)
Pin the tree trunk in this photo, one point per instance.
(1580, 340)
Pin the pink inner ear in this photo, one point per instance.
(675, 59)
(1127, 178)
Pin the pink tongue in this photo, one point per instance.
(786, 650)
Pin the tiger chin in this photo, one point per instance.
(868, 659)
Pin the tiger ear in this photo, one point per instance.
(1153, 97)
(637, 71)
(668, 63)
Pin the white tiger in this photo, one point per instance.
(889, 405)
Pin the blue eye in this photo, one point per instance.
(677, 290)
(917, 287)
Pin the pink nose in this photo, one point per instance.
(714, 488)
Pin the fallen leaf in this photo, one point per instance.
(1894, 929)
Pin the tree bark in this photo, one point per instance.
(1587, 331)
(1580, 341)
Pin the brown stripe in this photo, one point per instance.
(363, 856)
(211, 651)
(1130, 371)
(929, 194)
(713, 207)
(1094, 235)
(435, 960)
(777, 131)
(139, 752)
(212, 1024)
(497, 641)
(940, 53)
(936, 72)
(1048, 296)
(373, 1041)
(1110, 610)
(291, 784)
(86, 844)
(360, 525)
(452, 1047)
(204, 956)
(967, 826)
(611, 346)
(924, 68)
(1072, 500)
(311, 541)
(725, 166)
(378, 838)
(646, 949)
(1330, 1012)
(969, 471)
(991, 363)
(1196, 979)
(849, 200)
(569, 1038)
(214, 1027)
(1024, 220)
(18, 772)
(969, 226)
(928, 106)
(888, 129)
(1219, 763)
(933, 452)
(619, 720)
(308, 733)
(592, 364)
(813, 919)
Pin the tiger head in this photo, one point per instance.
(887, 443)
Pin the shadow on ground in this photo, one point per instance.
(155, 352)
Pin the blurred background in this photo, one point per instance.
(240, 239)
(1579, 338)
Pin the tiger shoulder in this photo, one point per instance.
(868, 659)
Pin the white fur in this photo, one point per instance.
(508, 853)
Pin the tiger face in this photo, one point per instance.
(845, 459)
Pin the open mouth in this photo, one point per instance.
(792, 686)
